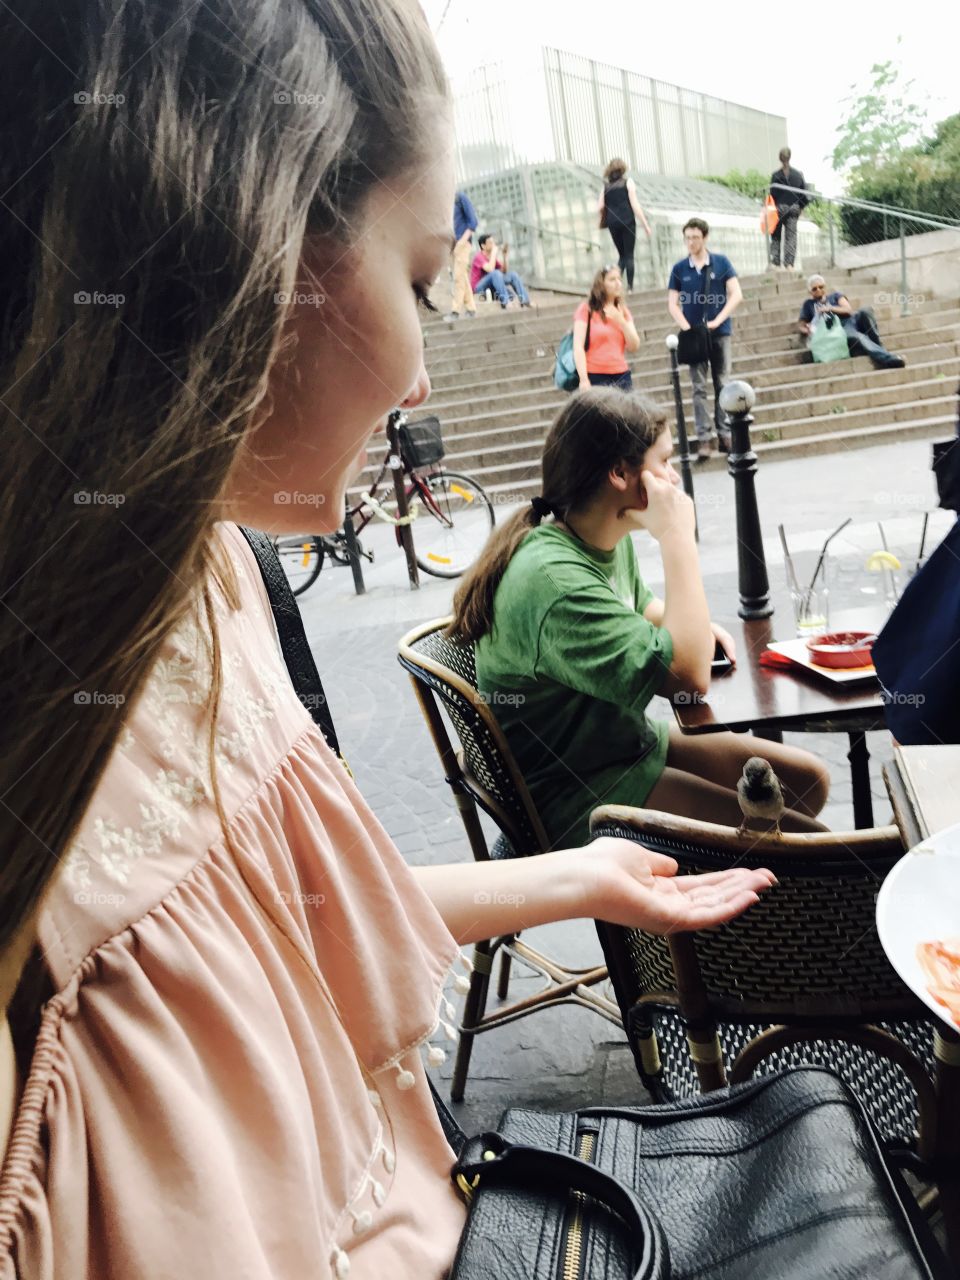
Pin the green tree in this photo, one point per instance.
(878, 121)
(749, 182)
(925, 178)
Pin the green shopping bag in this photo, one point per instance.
(829, 341)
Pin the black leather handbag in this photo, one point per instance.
(782, 1178)
(693, 345)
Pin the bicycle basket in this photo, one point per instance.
(421, 443)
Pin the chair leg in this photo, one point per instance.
(473, 1009)
(503, 983)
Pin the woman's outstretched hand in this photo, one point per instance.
(640, 889)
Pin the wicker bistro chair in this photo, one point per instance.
(801, 977)
(483, 774)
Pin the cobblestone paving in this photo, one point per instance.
(569, 1056)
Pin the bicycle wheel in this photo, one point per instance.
(454, 519)
(301, 555)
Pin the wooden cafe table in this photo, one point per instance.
(767, 700)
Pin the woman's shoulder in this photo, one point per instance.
(547, 565)
(583, 311)
(154, 813)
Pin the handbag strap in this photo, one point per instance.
(706, 281)
(301, 667)
(586, 341)
(308, 687)
(491, 1160)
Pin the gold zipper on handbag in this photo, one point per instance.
(573, 1250)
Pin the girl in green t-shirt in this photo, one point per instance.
(571, 646)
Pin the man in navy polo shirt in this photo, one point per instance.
(704, 289)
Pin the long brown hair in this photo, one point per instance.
(154, 209)
(596, 430)
(597, 298)
(615, 170)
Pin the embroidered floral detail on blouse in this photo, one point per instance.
(169, 797)
(172, 704)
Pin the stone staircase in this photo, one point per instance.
(493, 379)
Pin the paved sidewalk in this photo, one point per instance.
(568, 1056)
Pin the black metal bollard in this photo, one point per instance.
(353, 551)
(686, 472)
(396, 466)
(736, 401)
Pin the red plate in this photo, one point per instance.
(841, 649)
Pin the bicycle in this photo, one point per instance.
(450, 513)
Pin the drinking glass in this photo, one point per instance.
(811, 611)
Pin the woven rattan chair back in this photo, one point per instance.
(810, 949)
(799, 977)
(445, 666)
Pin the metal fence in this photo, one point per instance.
(548, 215)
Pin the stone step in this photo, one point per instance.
(510, 483)
(450, 401)
(873, 390)
(757, 300)
(489, 457)
(762, 289)
(785, 347)
(519, 331)
(534, 389)
(491, 318)
(499, 411)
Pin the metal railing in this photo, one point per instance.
(853, 223)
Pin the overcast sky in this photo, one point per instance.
(794, 59)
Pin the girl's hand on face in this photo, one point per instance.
(665, 509)
(639, 889)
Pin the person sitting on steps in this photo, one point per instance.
(863, 336)
(489, 271)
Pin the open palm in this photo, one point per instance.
(641, 890)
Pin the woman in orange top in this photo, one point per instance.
(603, 361)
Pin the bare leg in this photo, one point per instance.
(719, 758)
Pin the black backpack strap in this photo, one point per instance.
(305, 679)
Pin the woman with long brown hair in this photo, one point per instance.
(216, 971)
(603, 333)
(571, 645)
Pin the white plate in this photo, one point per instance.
(920, 902)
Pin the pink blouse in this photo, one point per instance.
(228, 1083)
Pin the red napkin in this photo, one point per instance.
(770, 658)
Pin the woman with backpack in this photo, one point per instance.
(603, 333)
(620, 211)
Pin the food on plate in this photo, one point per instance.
(842, 649)
(940, 962)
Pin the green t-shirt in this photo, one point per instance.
(569, 669)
